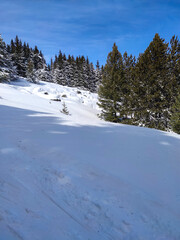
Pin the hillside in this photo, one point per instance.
(76, 177)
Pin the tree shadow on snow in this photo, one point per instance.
(85, 142)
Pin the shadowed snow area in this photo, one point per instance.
(77, 177)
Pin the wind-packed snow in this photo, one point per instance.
(76, 177)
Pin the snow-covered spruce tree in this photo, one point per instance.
(66, 72)
(42, 71)
(59, 69)
(71, 71)
(44, 74)
(110, 94)
(84, 73)
(98, 74)
(175, 117)
(7, 72)
(63, 70)
(30, 72)
(92, 81)
(77, 73)
(37, 59)
(18, 56)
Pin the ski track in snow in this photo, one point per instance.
(78, 177)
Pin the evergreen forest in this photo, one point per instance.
(143, 91)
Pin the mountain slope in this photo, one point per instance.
(77, 177)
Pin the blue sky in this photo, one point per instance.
(89, 27)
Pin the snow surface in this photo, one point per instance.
(77, 177)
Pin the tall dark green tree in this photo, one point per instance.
(174, 68)
(152, 92)
(18, 57)
(127, 87)
(30, 73)
(175, 117)
(110, 91)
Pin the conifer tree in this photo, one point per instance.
(19, 58)
(65, 109)
(7, 72)
(127, 87)
(97, 65)
(110, 94)
(175, 117)
(31, 76)
(98, 76)
(174, 68)
(44, 74)
(151, 83)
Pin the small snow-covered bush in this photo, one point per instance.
(64, 109)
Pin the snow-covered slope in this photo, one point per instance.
(76, 177)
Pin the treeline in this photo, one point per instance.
(28, 62)
(18, 59)
(77, 72)
(143, 91)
